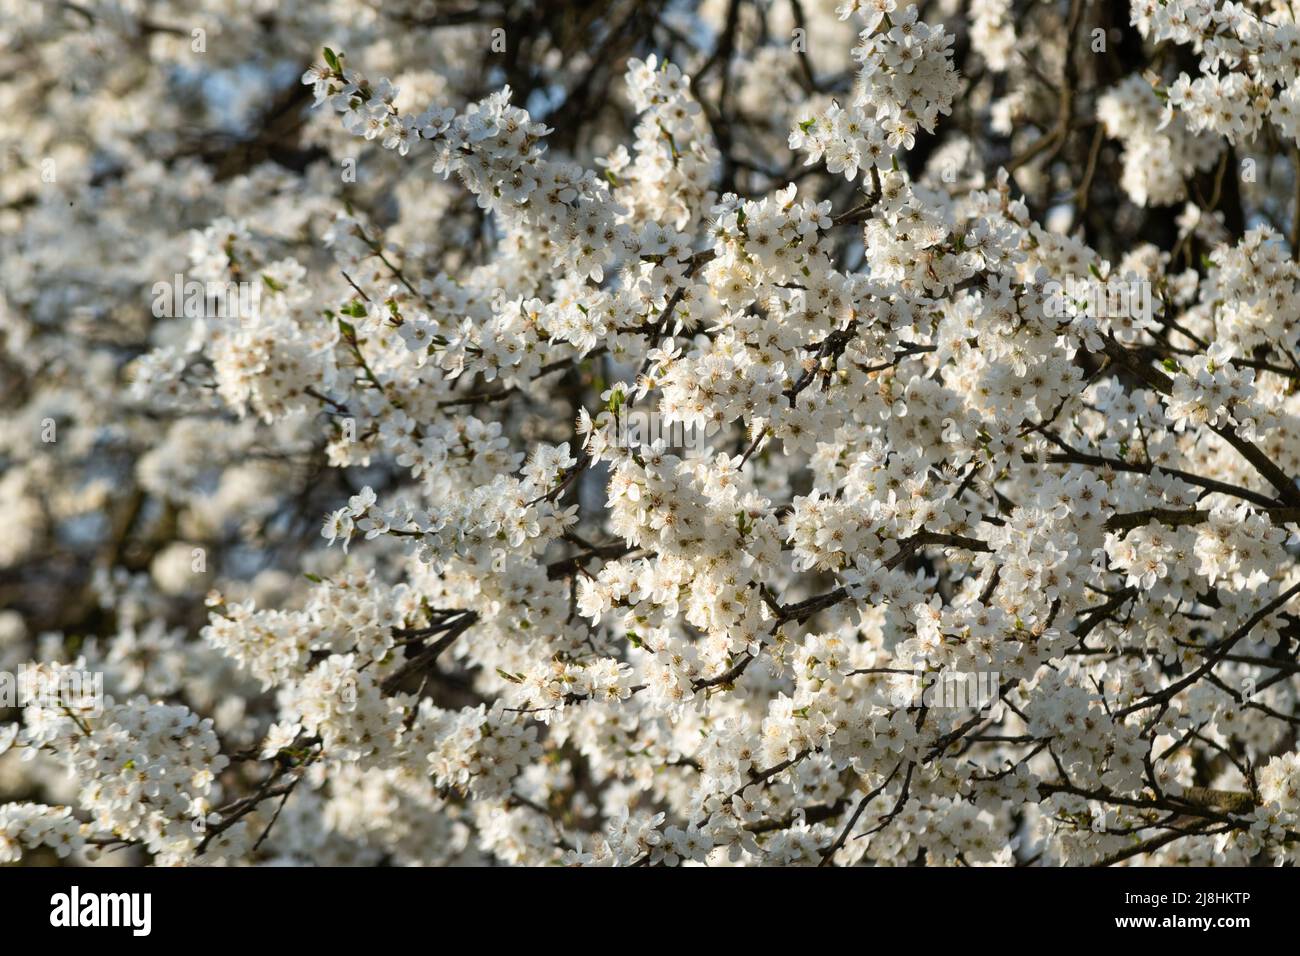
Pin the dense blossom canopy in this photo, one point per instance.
(745, 432)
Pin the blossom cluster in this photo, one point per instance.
(373, 574)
